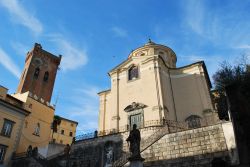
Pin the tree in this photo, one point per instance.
(228, 75)
(231, 75)
(56, 122)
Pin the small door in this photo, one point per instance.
(136, 119)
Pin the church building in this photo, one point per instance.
(147, 88)
(172, 109)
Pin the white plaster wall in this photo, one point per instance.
(231, 141)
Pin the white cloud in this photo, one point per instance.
(22, 16)
(87, 127)
(72, 57)
(194, 15)
(244, 46)
(219, 27)
(192, 58)
(91, 92)
(119, 32)
(84, 107)
(20, 48)
(7, 62)
(207, 58)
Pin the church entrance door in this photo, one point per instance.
(136, 119)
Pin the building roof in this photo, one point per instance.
(16, 108)
(204, 67)
(69, 120)
(4, 87)
(146, 45)
(150, 43)
(104, 91)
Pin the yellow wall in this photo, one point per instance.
(3, 92)
(10, 112)
(68, 127)
(40, 113)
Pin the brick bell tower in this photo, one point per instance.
(39, 73)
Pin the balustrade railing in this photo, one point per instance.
(86, 136)
(174, 126)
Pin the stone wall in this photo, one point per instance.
(196, 147)
(187, 148)
(94, 152)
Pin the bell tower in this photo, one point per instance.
(39, 73)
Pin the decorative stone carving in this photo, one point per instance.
(134, 106)
(109, 156)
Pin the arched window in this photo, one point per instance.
(46, 76)
(133, 73)
(37, 129)
(194, 121)
(37, 71)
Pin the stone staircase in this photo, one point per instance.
(168, 127)
(22, 160)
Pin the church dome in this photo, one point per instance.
(153, 49)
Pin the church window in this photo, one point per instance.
(36, 74)
(133, 73)
(193, 121)
(37, 130)
(46, 76)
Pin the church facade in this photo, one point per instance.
(148, 88)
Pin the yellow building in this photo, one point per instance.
(65, 131)
(12, 119)
(37, 129)
(147, 88)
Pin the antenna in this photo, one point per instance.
(57, 97)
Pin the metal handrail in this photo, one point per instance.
(19, 155)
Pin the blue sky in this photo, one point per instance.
(95, 35)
